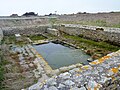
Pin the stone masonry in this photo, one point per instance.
(111, 35)
(1, 35)
(100, 74)
(25, 30)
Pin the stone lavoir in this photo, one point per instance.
(99, 74)
(58, 55)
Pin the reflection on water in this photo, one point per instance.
(58, 55)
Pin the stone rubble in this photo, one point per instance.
(74, 77)
(89, 77)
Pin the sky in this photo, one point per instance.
(42, 7)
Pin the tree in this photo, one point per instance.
(29, 14)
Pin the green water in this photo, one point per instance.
(58, 55)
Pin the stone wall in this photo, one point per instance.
(1, 35)
(25, 30)
(53, 31)
(110, 35)
(22, 21)
(23, 25)
(101, 74)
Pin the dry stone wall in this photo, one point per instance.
(25, 30)
(111, 35)
(108, 35)
(1, 35)
(53, 31)
(23, 25)
(22, 21)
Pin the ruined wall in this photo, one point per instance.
(24, 30)
(93, 34)
(23, 25)
(111, 35)
(1, 35)
(53, 31)
(22, 21)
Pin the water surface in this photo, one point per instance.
(58, 55)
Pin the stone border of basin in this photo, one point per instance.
(37, 42)
(91, 84)
(47, 68)
(83, 68)
(65, 43)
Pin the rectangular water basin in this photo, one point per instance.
(58, 55)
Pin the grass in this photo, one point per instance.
(3, 62)
(116, 25)
(1, 70)
(94, 23)
(103, 45)
(101, 23)
(1, 75)
(36, 37)
(9, 39)
(52, 20)
(12, 40)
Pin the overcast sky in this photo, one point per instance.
(8, 7)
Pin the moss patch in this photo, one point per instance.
(36, 37)
(103, 45)
(95, 49)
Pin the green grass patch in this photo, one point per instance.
(12, 40)
(9, 39)
(101, 23)
(20, 43)
(116, 25)
(95, 23)
(52, 20)
(3, 62)
(92, 23)
(36, 37)
(104, 45)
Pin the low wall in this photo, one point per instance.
(106, 35)
(22, 21)
(110, 35)
(24, 30)
(53, 31)
(1, 35)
